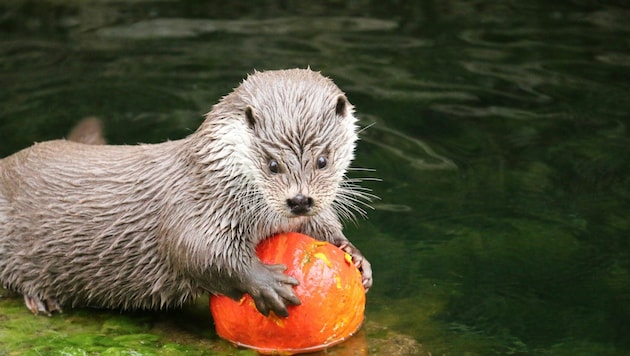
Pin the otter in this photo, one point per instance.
(153, 226)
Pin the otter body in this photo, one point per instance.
(153, 226)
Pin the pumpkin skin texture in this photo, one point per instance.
(330, 289)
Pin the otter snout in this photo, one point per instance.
(300, 204)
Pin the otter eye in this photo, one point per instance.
(273, 165)
(322, 162)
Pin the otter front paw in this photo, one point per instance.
(362, 264)
(272, 289)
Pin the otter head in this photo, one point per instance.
(302, 138)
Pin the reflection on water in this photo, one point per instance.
(500, 133)
(417, 153)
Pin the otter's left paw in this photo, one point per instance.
(362, 264)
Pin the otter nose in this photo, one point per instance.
(300, 204)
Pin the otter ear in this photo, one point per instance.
(249, 115)
(342, 104)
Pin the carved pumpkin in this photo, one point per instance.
(331, 292)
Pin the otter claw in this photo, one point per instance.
(47, 306)
(360, 262)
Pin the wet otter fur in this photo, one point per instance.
(154, 225)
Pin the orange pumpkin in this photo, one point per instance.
(331, 292)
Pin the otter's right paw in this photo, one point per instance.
(36, 305)
(272, 289)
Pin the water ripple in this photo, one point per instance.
(415, 151)
(496, 111)
(396, 208)
(182, 27)
(398, 84)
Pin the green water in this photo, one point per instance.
(499, 130)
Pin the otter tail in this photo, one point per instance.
(88, 131)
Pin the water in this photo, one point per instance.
(499, 130)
